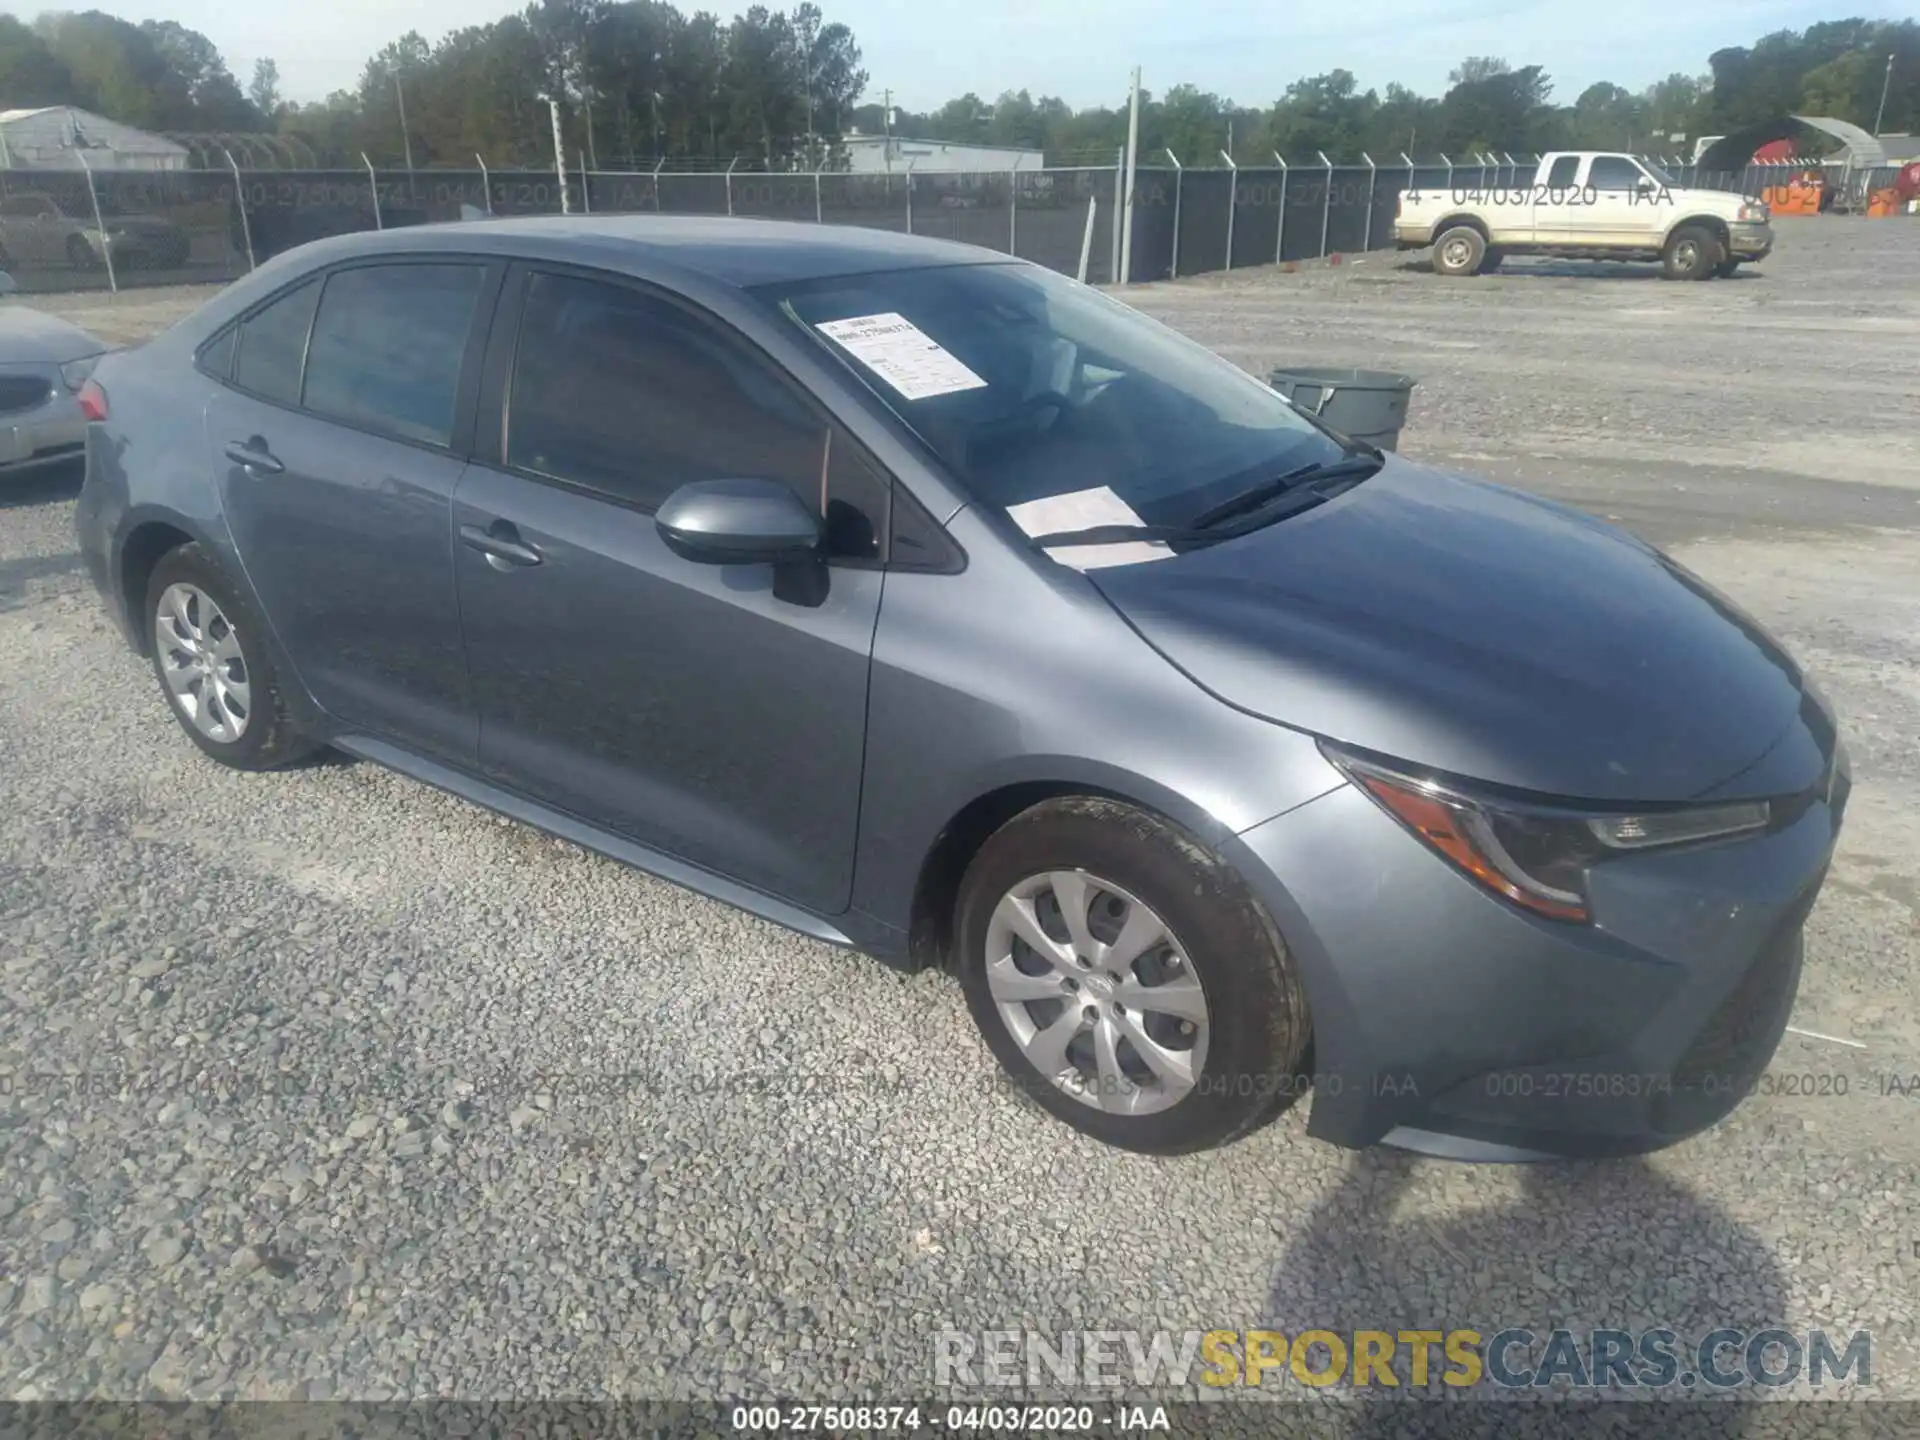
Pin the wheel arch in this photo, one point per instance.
(147, 540)
(1713, 224)
(1463, 217)
(945, 858)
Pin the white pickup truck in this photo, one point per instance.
(1586, 205)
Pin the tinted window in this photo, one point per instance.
(216, 356)
(630, 395)
(273, 342)
(387, 346)
(1560, 177)
(1614, 172)
(1029, 386)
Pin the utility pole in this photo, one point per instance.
(406, 141)
(1885, 84)
(559, 151)
(1125, 218)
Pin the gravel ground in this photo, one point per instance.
(387, 1097)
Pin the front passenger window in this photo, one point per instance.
(621, 392)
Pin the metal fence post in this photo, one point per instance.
(1373, 179)
(1179, 174)
(818, 213)
(99, 225)
(373, 187)
(486, 180)
(1013, 212)
(1086, 240)
(1449, 164)
(658, 162)
(1280, 228)
(1326, 210)
(240, 199)
(1119, 203)
(1233, 202)
(730, 164)
(586, 200)
(910, 165)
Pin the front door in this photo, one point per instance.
(683, 705)
(337, 477)
(1625, 212)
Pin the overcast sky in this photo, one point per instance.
(1245, 49)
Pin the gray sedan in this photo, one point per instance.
(43, 362)
(932, 604)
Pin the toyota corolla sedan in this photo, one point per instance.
(932, 604)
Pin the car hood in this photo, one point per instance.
(29, 336)
(1475, 630)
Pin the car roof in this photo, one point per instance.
(734, 251)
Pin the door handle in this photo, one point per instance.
(501, 544)
(255, 455)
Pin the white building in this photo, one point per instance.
(55, 136)
(877, 154)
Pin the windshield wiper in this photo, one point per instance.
(1349, 467)
(1303, 494)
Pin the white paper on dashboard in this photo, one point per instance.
(902, 354)
(1082, 510)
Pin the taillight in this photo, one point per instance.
(93, 400)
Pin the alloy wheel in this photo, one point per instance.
(202, 663)
(1097, 992)
(1456, 253)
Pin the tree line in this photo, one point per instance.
(638, 80)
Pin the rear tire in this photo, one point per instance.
(211, 661)
(1192, 1040)
(1492, 260)
(1459, 251)
(1692, 253)
(1726, 269)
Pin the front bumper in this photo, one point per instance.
(1750, 239)
(1450, 1022)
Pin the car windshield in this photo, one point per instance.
(1031, 386)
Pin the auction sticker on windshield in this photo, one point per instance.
(1085, 510)
(902, 354)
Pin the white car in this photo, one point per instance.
(43, 363)
(1586, 205)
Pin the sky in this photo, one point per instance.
(1247, 50)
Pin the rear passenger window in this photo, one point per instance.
(1560, 177)
(388, 345)
(216, 356)
(273, 342)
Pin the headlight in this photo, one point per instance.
(1754, 210)
(1536, 856)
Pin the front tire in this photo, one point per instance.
(1459, 251)
(1127, 979)
(210, 658)
(1492, 260)
(1692, 253)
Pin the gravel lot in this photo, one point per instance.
(390, 1098)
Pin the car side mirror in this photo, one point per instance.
(738, 522)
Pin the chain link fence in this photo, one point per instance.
(88, 229)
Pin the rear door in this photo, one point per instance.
(684, 705)
(337, 443)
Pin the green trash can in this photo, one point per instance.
(1369, 405)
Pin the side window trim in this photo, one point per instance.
(491, 439)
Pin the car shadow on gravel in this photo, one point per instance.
(1612, 1245)
(43, 487)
